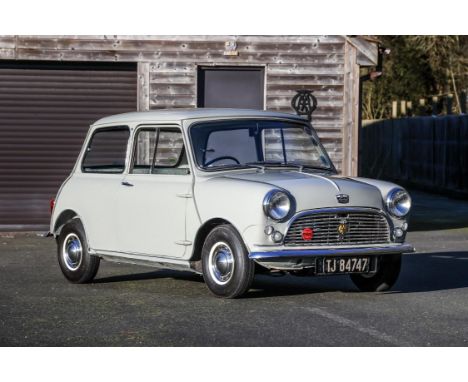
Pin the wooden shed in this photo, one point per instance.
(53, 87)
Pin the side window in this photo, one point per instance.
(159, 151)
(145, 143)
(106, 151)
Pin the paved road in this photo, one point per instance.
(130, 305)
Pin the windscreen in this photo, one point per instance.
(240, 143)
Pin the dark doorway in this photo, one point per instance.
(235, 87)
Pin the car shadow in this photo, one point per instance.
(157, 274)
(266, 286)
(435, 271)
(421, 272)
(263, 285)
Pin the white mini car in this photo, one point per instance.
(225, 193)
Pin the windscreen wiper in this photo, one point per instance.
(317, 168)
(263, 164)
(224, 166)
(299, 166)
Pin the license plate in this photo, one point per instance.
(336, 265)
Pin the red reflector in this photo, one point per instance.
(307, 234)
(52, 205)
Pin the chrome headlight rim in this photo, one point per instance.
(392, 207)
(267, 208)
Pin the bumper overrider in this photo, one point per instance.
(294, 259)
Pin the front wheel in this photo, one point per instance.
(387, 274)
(227, 269)
(77, 265)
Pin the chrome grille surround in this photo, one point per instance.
(364, 226)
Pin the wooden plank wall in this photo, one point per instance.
(167, 74)
(350, 112)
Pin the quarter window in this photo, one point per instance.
(106, 151)
(169, 148)
(159, 151)
(144, 151)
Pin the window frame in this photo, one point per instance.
(157, 129)
(90, 140)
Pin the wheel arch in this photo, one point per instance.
(203, 232)
(64, 217)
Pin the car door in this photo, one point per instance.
(97, 183)
(154, 193)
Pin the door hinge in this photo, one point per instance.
(183, 242)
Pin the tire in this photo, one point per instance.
(227, 270)
(386, 276)
(77, 265)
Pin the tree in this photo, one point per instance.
(447, 58)
(417, 67)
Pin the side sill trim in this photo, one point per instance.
(152, 261)
(395, 249)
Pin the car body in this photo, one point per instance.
(150, 187)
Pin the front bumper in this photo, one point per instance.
(293, 259)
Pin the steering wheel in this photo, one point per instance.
(222, 158)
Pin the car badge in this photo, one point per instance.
(342, 228)
(342, 198)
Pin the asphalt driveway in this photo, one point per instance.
(135, 306)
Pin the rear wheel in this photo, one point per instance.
(387, 274)
(227, 269)
(77, 265)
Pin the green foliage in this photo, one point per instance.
(417, 67)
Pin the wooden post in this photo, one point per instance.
(435, 111)
(409, 108)
(350, 112)
(143, 89)
(403, 108)
(421, 109)
(463, 102)
(449, 103)
(394, 109)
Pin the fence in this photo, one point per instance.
(434, 105)
(427, 152)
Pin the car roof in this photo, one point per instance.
(182, 114)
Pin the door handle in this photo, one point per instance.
(128, 184)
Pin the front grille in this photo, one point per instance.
(339, 228)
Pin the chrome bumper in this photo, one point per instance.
(366, 251)
(296, 259)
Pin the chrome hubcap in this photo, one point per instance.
(221, 263)
(72, 252)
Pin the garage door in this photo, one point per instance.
(45, 112)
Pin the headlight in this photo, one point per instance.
(398, 202)
(277, 205)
